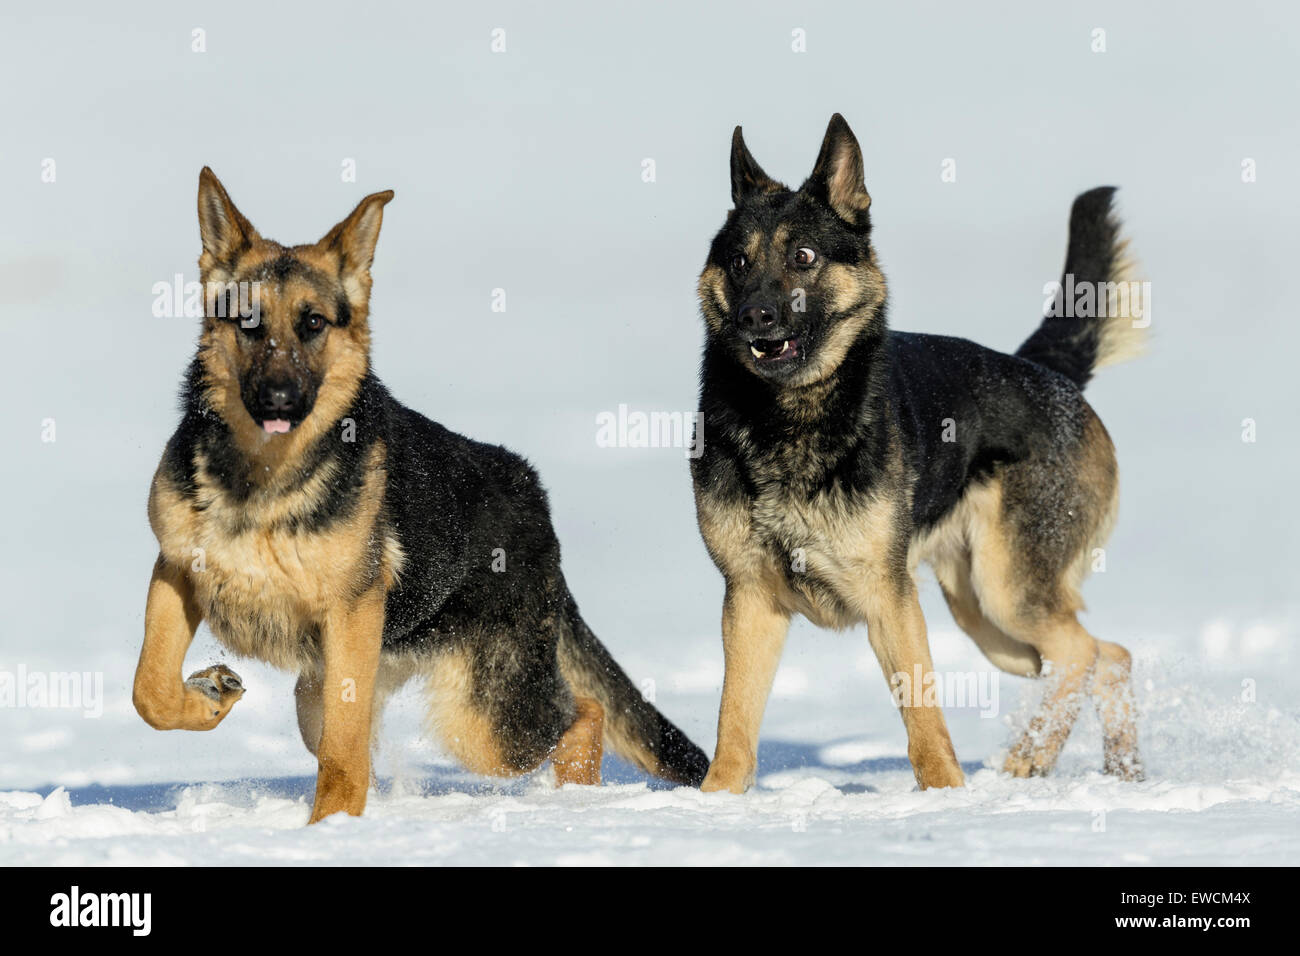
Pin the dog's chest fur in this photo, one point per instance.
(819, 546)
(261, 574)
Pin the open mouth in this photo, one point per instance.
(276, 426)
(774, 350)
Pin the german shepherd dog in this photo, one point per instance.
(317, 524)
(844, 454)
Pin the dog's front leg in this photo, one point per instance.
(351, 638)
(171, 616)
(896, 630)
(754, 627)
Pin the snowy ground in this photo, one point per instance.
(1222, 787)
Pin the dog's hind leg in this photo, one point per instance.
(577, 756)
(1069, 656)
(1003, 651)
(1022, 597)
(1031, 545)
(1112, 692)
(1079, 664)
(501, 707)
(1110, 688)
(458, 717)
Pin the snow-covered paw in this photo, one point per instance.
(1124, 764)
(212, 692)
(216, 682)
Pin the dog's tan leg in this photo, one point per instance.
(308, 703)
(754, 627)
(896, 629)
(171, 616)
(351, 639)
(1069, 654)
(1003, 650)
(577, 755)
(1112, 692)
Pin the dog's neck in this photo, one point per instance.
(811, 431)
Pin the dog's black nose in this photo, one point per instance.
(755, 318)
(278, 396)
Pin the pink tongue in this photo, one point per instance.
(273, 425)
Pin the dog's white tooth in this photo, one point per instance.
(757, 353)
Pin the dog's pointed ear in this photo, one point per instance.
(747, 177)
(354, 238)
(223, 229)
(838, 176)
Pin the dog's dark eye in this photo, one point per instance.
(313, 323)
(738, 262)
(804, 256)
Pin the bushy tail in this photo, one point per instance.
(634, 729)
(1085, 330)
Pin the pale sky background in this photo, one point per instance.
(522, 171)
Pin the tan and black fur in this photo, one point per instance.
(841, 455)
(319, 525)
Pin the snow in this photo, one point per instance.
(795, 818)
(1222, 784)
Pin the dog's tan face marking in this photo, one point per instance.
(792, 283)
(714, 301)
(857, 291)
(306, 346)
(328, 366)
